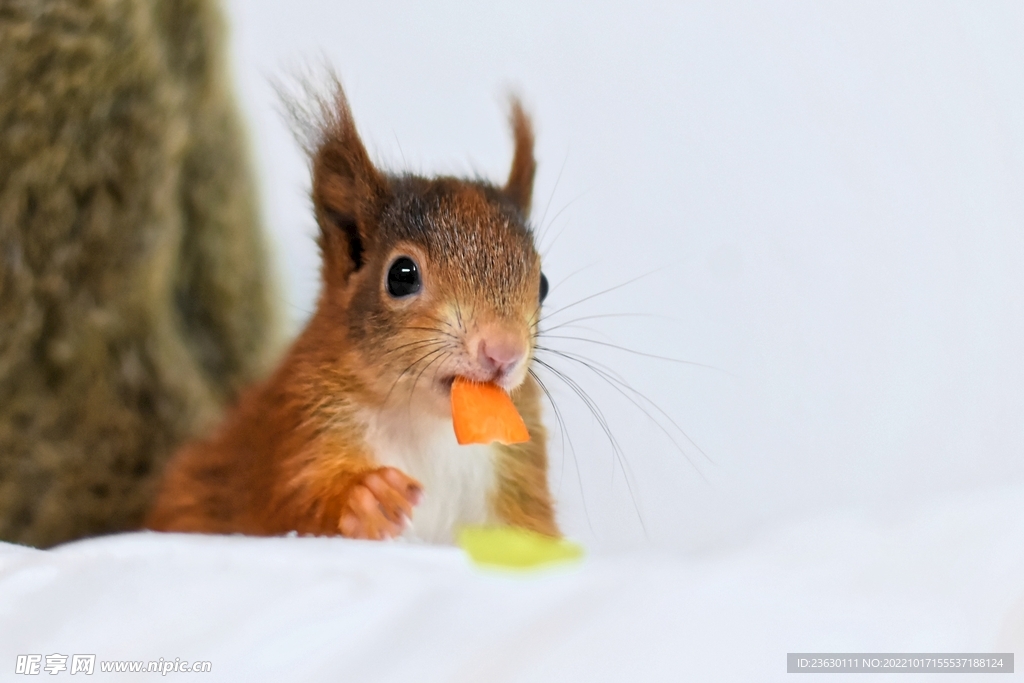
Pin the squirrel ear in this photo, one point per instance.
(346, 185)
(345, 181)
(519, 187)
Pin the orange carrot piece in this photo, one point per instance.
(482, 413)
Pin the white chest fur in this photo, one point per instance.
(457, 480)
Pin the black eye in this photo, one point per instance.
(543, 288)
(403, 277)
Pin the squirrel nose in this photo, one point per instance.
(499, 351)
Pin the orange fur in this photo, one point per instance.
(522, 497)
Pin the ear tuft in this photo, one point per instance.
(519, 187)
(345, 181)
(347, 187)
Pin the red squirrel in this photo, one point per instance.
(423, 280)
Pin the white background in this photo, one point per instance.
(825, 201)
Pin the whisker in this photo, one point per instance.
(568, 327)
(564, 434)
(441, 321)
(441, 364)
(397, 142)
(413, 344)
(610, 315)
(605, 427)
(407, 369)
(434, 330)
(458, 315)
(550, 246)
(603, 292)
(412, 389)
(638, 353)
(570, 276)
(619, 384)
(551, 197)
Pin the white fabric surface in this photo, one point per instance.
(945, 576)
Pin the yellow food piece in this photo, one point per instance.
(482, 413)
(515, 547)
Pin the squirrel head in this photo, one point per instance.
(424, 279)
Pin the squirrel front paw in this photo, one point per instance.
(379, 504)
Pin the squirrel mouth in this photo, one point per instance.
(445, 383)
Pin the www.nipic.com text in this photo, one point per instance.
(33, 665)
